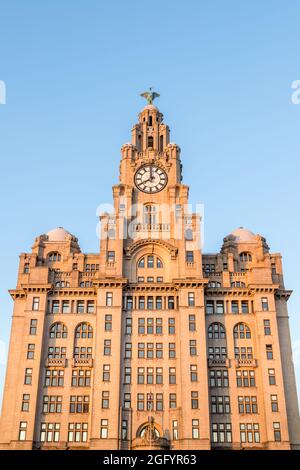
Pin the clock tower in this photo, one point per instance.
(151, 244)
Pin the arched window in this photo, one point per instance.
(58, 330)
(214, 284)
(54, 256)
(238, 284)
(216, 331)
(245, 256)
(84, 330)
(62, 284)
(241, 331)
(150, 261)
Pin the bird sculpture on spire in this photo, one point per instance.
(150, 95)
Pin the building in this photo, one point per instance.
(150, 344)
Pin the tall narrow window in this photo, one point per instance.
(109, 299)
(36, 303)
(150, 141)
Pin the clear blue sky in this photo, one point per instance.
(73, 72)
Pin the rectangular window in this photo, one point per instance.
(195, 429)
(25, 402)
(234, 306)
(159, 351)
(55, 306)
(193, 373)
(35, 303)
(158, 303)
(277, 432)
(218, 378)
(108, 323)
(33, 326)
(128, 350)
(171, 303)
(66, 306)
(150, 375)
(141, 350)
(158, 326)
(210, 307)
(274, 403)
(191, 299)
(189, 256)
(159, 279)
(127, 401)
(193, 347)
(30, 351)
(264, 304)
(194, 400)
(49, 432)
(150, 326)
(249, 433)
(150, 279)
(272, 378)
(159, 402)
(128, 326)
(105, 399)
(172, 375)
(140, 401)
(269, 351)
(141, 375)
(28, 376)
(111, 257)
(54, 378)
(141, 303)
(106, 373)
(26, 268)
(175, 434)
(220, 307)
(192, 323)
(129, 302)
(159, 375)
(247, 404)
(107, 347)
(109, 299)
(127, 375)
(141, 326)
(172, 350)
(150, 303)
(245, 378)
(124, 429)
(141, 279)
(77, 432)
(150, 350)
(79, 403)
(172, 401)
(91, 306)
(221, 433)
(245, 306)
(171, 326)
(267, 328)
(80, 306)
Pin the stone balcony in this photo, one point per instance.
(222, 362)
(245, 362)
(150, 227)
(82, 362)
(56, 362)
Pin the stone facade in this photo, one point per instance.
(150, 344)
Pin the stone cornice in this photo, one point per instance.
(229, 291)
(283, 294)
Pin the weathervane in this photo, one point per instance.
(150, 95)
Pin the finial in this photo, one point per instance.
(150, 95)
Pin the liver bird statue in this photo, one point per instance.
(150, 95)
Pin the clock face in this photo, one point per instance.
(150, 179)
